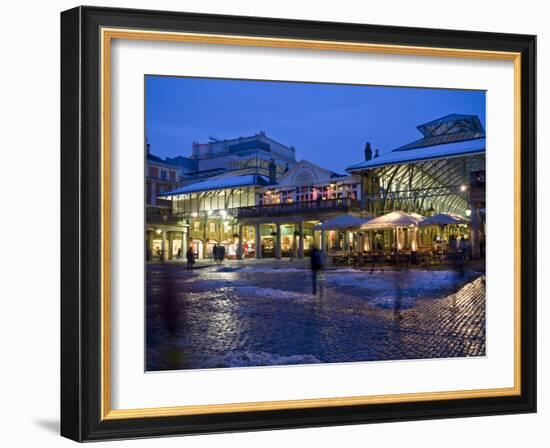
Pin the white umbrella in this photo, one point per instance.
(392, 220)
(417, 216)
(342, 222)
(443, 219)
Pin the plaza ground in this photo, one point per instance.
(263, 312)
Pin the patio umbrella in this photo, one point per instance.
(443, 219)
(342, 222)
(417, 216)
(392, 220)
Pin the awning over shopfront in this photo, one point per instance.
(393, 220)
(343, 222)
(443, 219)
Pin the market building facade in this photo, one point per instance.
(252, 196)
(228, 176)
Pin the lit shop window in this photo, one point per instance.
(196, 225)
(212, 227)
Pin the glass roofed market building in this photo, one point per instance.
(228, 175)
(252, 196)
(442, 172)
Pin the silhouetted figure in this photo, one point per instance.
(179, 253)
(190, 258)
(168, 305)
(221, 254)
(316, 266)
(463, 247)
(215, 253)
(453, 248)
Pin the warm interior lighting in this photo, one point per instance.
(468, 212)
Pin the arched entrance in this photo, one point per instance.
(198, 248)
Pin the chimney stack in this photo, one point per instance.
(368, 152)
(272, 172)
(376, 154)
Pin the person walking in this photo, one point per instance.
(453, 248)
(463, 248)
(221, 254)
(190, 258)
(316, 266)
(215, 253)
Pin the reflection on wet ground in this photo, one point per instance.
(238, 315)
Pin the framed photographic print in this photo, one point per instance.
(274, 223)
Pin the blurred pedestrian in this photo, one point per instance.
(221, 254)
(453, 249)
(316, 265)
(190, 258)
(215, 252)
(463, 247)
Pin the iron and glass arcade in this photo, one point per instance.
(443, 172)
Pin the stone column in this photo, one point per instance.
(414, 239)
(240, 247)
(278, 241)
(258, 242)
(475, 222)
(294, 242)
(370, 236)
(183, 243)
(163, 246)
(301, 240)
(323, 241)
(170, 250)
(346, 240)
(149, 248)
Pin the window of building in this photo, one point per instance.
(212, 227)
(163, 174)
(196, 225)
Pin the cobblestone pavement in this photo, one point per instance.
(265, 314)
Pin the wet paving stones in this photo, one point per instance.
(237, 315)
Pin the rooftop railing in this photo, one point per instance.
(288, 208)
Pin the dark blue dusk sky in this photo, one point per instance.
(327, 123)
